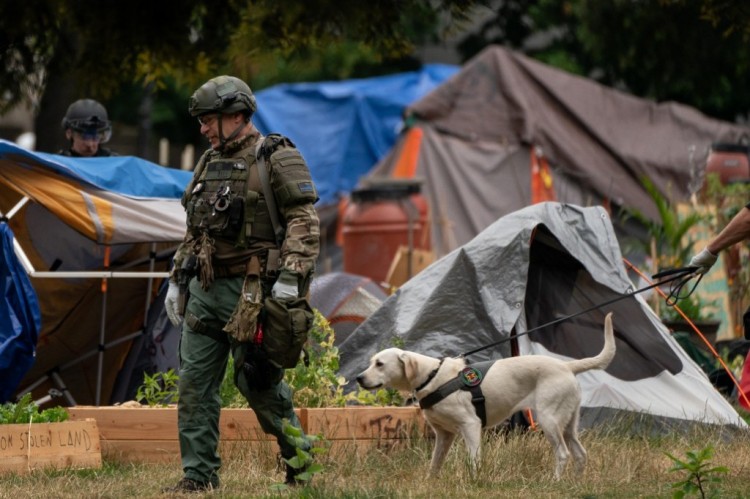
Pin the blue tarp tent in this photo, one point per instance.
(20, 319)
(93, 235)
(343, 128)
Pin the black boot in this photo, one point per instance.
(188, 485)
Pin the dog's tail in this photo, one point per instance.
(602, 360)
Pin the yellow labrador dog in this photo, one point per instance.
(545, 384)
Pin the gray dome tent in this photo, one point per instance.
(530, 267)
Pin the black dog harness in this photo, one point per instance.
(470, 378)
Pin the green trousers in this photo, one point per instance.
(204, 352)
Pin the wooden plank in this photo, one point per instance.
(128, 423)
(123, 423)
(365, 423)
(242, 424)
(71, 444)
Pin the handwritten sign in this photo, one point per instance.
(71, 444)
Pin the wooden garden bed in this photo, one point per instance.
(28, 447)
(147, 434)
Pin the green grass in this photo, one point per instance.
(516, 465)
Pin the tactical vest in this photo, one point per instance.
(226, 199)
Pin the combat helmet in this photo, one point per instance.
(222, 94)
(88, 116)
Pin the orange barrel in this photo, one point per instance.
(730, 161)
(381, 217)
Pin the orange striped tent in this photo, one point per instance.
(95, 235)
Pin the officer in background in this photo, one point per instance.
(87, 127)
(235, 259)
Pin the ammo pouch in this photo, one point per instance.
(286, 325)
(243, 323)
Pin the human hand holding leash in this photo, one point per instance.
(704, 261)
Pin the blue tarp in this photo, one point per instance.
(344, 128)
(20, 319)
(127, 175)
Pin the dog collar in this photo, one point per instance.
(431, 376)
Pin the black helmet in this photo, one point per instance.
(223, 94)
(89, 117)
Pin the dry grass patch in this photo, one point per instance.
(515, 464)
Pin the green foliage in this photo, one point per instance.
(230, 395)
(698, 475)
(26, 411)
(670, 243)
(316, 383)
(696, 308)
(159, 389)
(197, 40)
(303, 461)
(689, 51)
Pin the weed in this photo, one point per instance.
(698, 474)
(302, 462)
(159, 389)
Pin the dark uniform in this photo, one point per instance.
(100, 153)
(231, 235)
(88, 117)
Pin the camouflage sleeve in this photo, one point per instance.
(302, 243)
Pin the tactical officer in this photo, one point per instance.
(87, 127)
(238, 261)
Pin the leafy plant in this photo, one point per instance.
(160, 389)
(317, 383)
(302, 462)
(669, 244)
(26, 411)
(697, 473)
(696, 308)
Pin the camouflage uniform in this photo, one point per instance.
(214, 296)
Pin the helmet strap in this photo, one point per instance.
(223, 141)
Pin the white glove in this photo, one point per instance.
(285, 287)
(171, 304)
(703, 260)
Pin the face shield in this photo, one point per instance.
(101, 131)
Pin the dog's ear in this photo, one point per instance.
(410, 365)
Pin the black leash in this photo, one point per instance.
(680, 276)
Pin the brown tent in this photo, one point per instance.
(508, 131)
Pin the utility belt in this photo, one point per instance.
(268, 265)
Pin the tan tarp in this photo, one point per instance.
(478, 128)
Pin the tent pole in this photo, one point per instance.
(100, 367)
(64, 389)
(149, 283)
(16, 208)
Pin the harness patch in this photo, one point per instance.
(470, 376)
